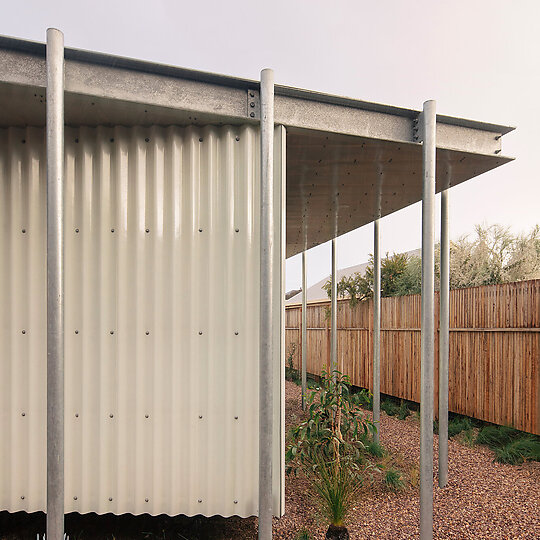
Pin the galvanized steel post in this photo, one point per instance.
(304, 330)
(376, 330)
(333, 312)
(55, 284)
(266, 356)
(444, 342)
(427, 334)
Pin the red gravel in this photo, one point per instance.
(483, 499)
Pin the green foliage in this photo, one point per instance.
(291, 373)
(375, 449)
(394, 280)
(458, 424)
(394, 479)
(389, 407)
(519, 450)
(365, 399)
(327, 447)
(497, 436)
(435, 427)
(510, 445)
(403, 411)
(303, 534)
(493, 256)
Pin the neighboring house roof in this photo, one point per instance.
(316, 292)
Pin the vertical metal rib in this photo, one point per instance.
(333, 308)
(428, 339)
(376, 329)
(443, 343)
(266, 315)
(55, 284)
(304, 330)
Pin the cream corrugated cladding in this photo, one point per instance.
(161, 325)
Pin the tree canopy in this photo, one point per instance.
(493, 255)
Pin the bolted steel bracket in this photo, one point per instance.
(253, 104)
(416, 128)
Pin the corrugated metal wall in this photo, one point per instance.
(161, 287)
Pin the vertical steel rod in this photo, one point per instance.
(266, 427)
(443, 343)
(428, 338)
(333, 311)
(304, 330)
(55, 284)
(376, 329)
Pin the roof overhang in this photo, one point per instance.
(348, 161)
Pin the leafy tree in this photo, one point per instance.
(494, 255)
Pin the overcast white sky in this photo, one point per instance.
(478, 59)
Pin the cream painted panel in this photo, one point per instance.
(162, 299)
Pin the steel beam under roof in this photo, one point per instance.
(348, 161)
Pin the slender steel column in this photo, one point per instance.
(55, 284)
(444, 342)
(376, 329)
(266, 426)
(304, 330)
(428, 326)
(333, 312)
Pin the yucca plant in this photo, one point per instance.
(328, 446)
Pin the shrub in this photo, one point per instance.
(497, 436)
(303, 534)
(389, 407)
(403, 411)
(291, 373)
(519, 450)
(375, 449)
(365, 399)
(458, 424)
(393, 479)
(327, 447)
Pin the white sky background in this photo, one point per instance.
(478, 59)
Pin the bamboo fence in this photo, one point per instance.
(494, 364)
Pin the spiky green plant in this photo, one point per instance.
(375, 449)
(497, 436)
(458, 424)
(303, 534)
(519, 450)
(393, 479)
(403, 411)
(389, 407)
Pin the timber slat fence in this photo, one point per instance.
(494, 364)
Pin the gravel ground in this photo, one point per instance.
(483, 500)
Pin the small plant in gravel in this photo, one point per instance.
(458, 424)
(389, 407)
(519, 450)
(327, 449)
(303, 534)
(394, 479)
(291, 373)
(403, 411)
(510, 445)
(375, 448)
